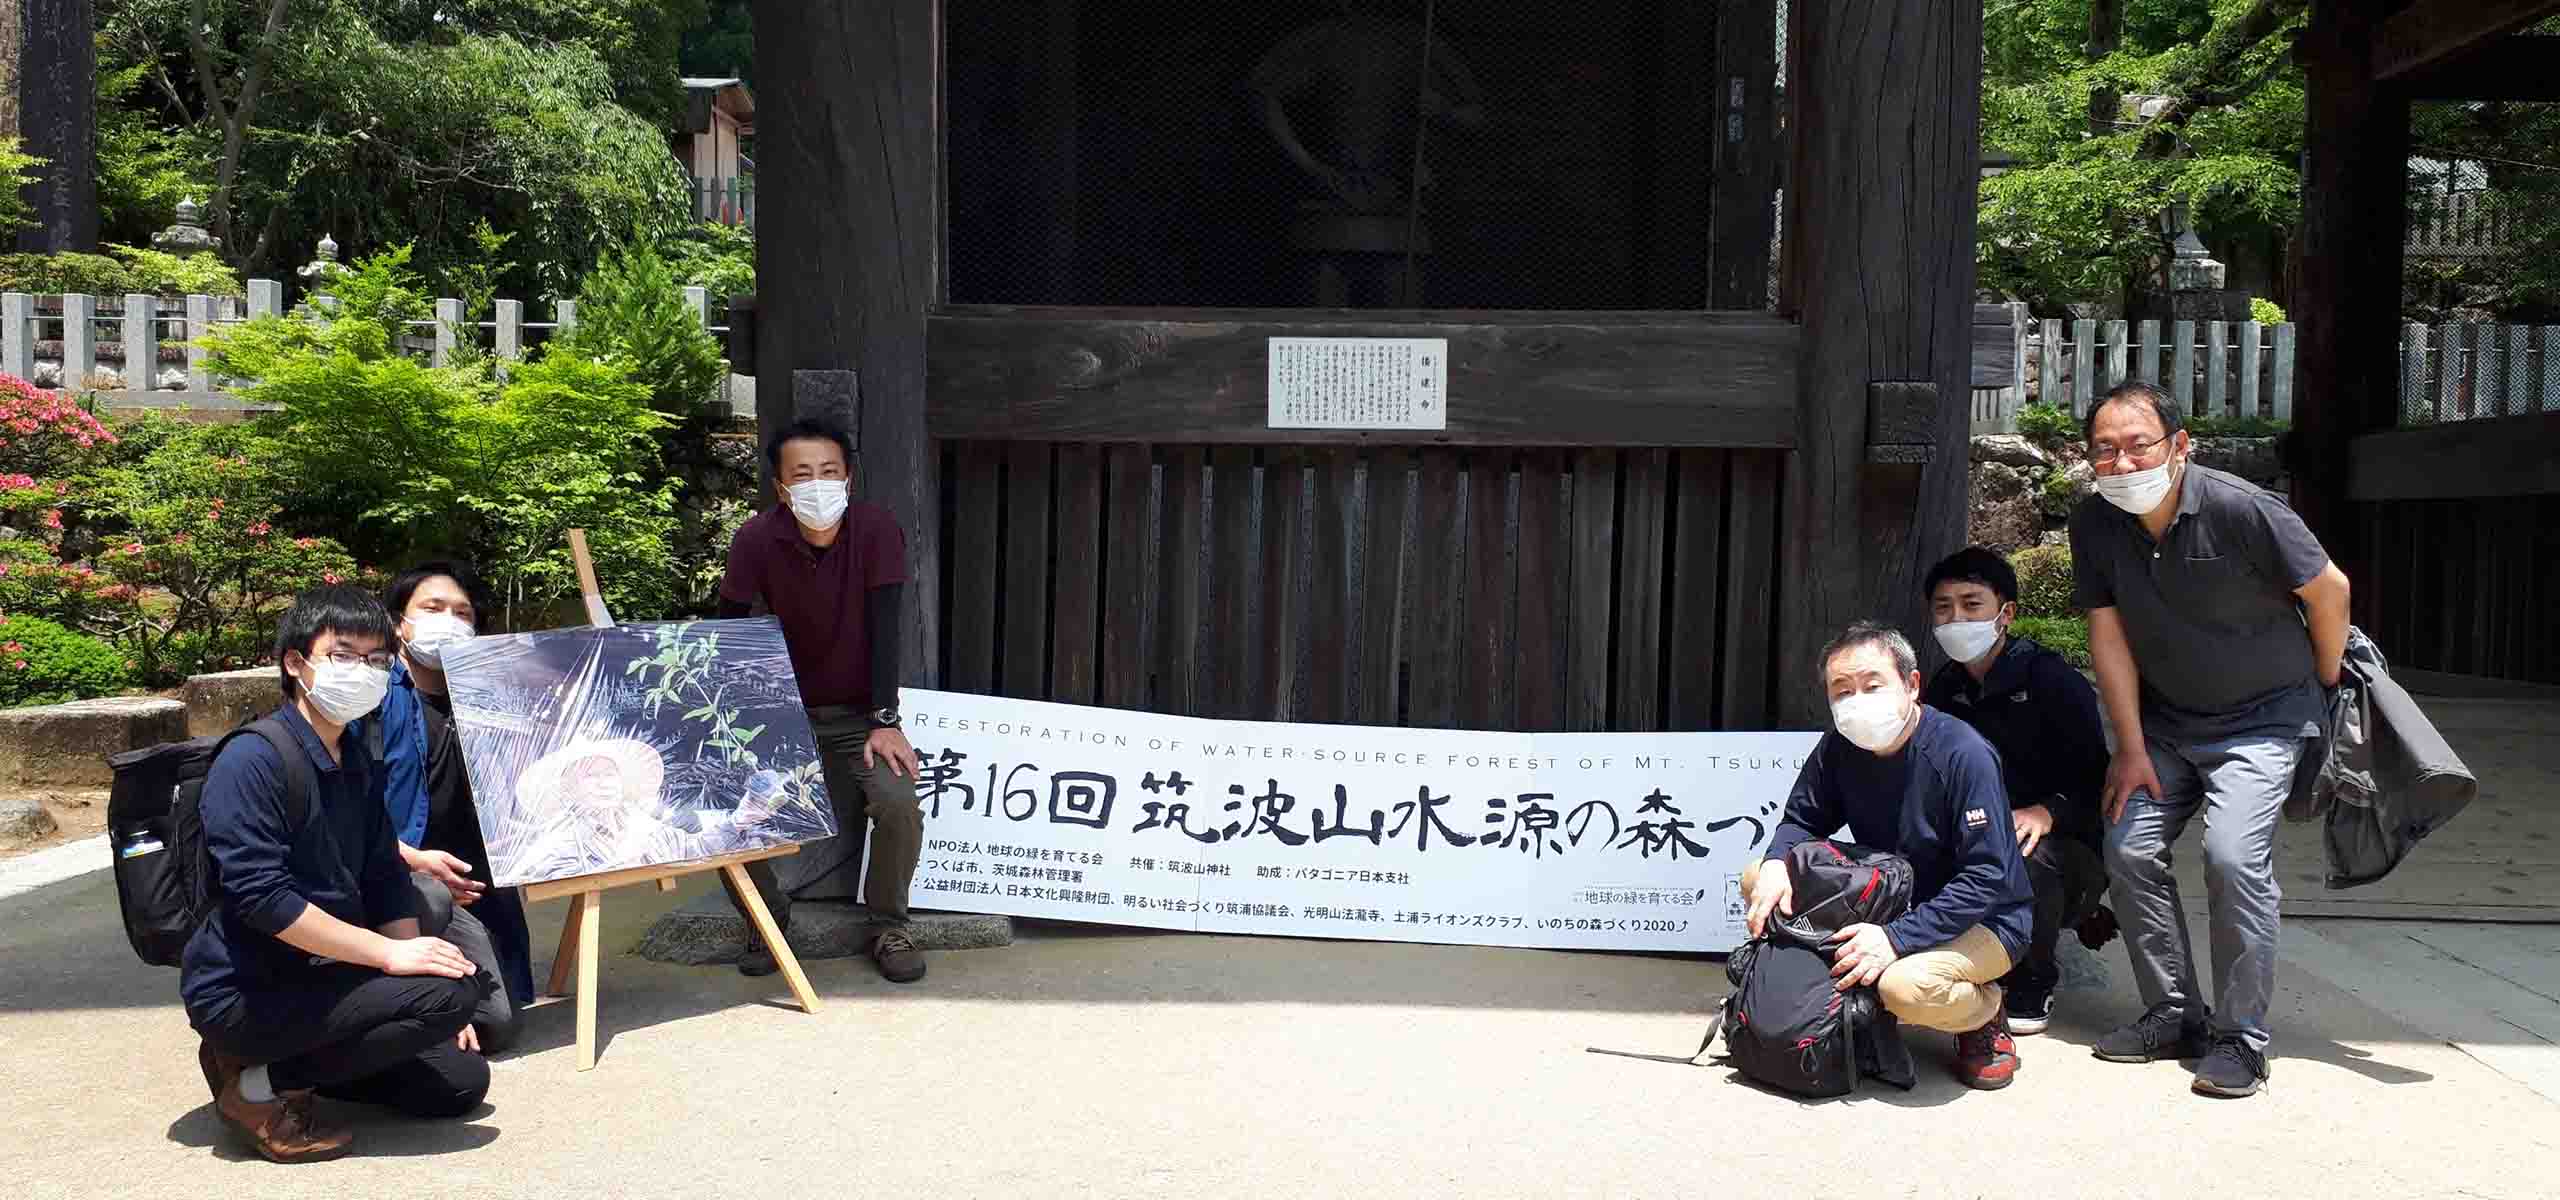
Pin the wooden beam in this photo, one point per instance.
(2503, 456)
(1515, 378)
(1887, 129)
(2429, 32)
(2348, 262)
(1747, 155)
(2516, 67)
(846, 256)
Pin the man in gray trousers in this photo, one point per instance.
(2216, 622)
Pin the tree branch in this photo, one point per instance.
(235, 123)
(2195, 89)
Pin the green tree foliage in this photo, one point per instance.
(633, 312)
(2078, 218)
(144, 169)
(388, 122)
(17, 169)
(2517, 149)
(718, 258)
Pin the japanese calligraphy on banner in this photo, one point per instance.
(1358, 383)
(1616, 841)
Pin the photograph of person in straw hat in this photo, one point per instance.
(608, 813)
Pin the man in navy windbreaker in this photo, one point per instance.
(1904, 777)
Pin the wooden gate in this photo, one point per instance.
(1503, 574)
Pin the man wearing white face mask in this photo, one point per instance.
(2215, 620)
(833, 573)
(1904, 777)
(309, 977)
(425, 788)
(2042, 716)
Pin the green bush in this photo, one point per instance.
(407, 461)
(2057, 495)
(2265, 311)
(2207, 425)
(2066, 636)
(43, 663)
(720, 259)
(2044, 581)
(632, 311)
(2048, 424)
(134, 270)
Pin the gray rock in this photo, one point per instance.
(173, 381)
(2010, 450)
(2253, 459)
(68, 744)
(219, 702)
(23, 820)
(708, 930)
(2083, 969)
(47, 375)
(2005, 514)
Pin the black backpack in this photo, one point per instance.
(164, 870)
(1784, 1025)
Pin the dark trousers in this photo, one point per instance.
(498, 1019)
(873, 796)
(2069, 879)
(357, 1034)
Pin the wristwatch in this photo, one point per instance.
(884, 718)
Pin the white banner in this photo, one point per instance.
(1618, 841)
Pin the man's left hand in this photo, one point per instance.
(2034, 823)
(1860, 954)
(890, 746)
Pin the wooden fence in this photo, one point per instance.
(91, 344)
(2457, 225)
(2226, 369)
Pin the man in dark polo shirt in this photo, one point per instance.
(833, 571)
(2216, 622)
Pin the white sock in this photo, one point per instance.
(254, 1087)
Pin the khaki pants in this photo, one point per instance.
(1952, 988)
(873, 795)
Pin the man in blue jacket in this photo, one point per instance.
(309, 977)
(2041, 714)
(1907, 778)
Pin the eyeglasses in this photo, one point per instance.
(378, 660)
(2106, 455)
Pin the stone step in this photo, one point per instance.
(67, 745)
(222, 701)
(708, 930)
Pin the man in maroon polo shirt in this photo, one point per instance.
(833, 570)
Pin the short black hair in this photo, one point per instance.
(2134, 391)
(1973, 564)
(395, 599)
(807, 428)
(335, 608)
(1870, 633)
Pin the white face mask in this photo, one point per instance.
(1872, 720)
(1968, 641)
(2136, 492)
(430, 633)
(819, 503)
(343, 694)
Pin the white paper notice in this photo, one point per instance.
(1632, 841)
(1359, 383)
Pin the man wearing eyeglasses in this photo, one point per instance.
(2216, 622)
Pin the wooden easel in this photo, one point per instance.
(583, 935)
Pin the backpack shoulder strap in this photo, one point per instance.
(301, 784)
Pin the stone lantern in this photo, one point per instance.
(189, 236)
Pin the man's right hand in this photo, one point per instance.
(426, 956)
(452, 872)
(2130, 772)
(1773, 891)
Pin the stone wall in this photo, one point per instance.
(2022, 491)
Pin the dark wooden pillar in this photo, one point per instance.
(57, 97)
(1881, 233)
(848, 244)
(1745, 122)
(2348, 262)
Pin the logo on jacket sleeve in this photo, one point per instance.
(1975, 818)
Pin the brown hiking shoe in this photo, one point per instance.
(1987, 1058)
(286, 1129)
(219, 1068)
(897, 957)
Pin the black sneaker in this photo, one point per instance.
(2030, 1009)
(757, 962)
(2160, 1033)
(2232, 1069)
